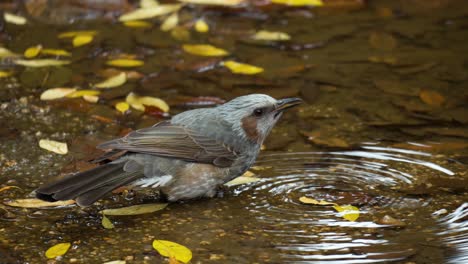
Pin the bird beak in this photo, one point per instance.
(286, 103)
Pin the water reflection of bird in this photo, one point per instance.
(186, 157)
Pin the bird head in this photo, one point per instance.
(254, 115)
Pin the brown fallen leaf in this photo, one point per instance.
(432, 98)
(135, 209)
(307, 200)
(36, 203)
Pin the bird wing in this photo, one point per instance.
(174, 141)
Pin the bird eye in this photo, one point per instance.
(258, 112)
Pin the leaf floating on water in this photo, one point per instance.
(241, 180)
(56, 93)
(150, 12)
(137, 24)
(56, 52)
(204, 50)
(122, 107)
(213, 2)
(299, 2)
(54, 146)
(172, 250)
(106, 223)
(42, 62)
(201, 26)
(271, 35)
(4, 74)
(81, 93)
(125, 63)
(113, 81)
(14, 19)
(36, 203)
(139, 102)
(432, 98)
(72, 34)
(307, 200)
(57, 250)
(242, 68)
(348, 212)
(32, 52)
(135, 209)
(170, 22)
(82, 40)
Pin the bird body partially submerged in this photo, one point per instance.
(186, 157)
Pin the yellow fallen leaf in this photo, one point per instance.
(57, 250)
(56, 52)
(201, 26)
(148, 3)
(139, 102)
(173, 250)
(307, 200)
(91, 98)
(81, 40)
(81, 93)
(72, 34)
(4, 74)
(170, 22)
(41, 62)
(113, 81)
(6, 53)
(14, 19)
(122, 107)
(106, 223)
(56, 93)
(213, 2)
(125, 63)
(137, 24)
(135, 209)
(248, 174)
(242, 68)
(36, 203)
(271, 35)
(204, 50)
(348, 212)
(5, 188)
(299, 2)
(54, 146)
(32, 52)
(150, 12)
(241, 180)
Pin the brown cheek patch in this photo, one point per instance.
(249, 124)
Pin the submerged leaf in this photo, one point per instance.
(14, 19)
(72, 34)
(135, 209)
(6, 53)
(150, 12)
(271, 35)
(242, 68)
(36, 203)
(5, 188)
(125, 63)
(113, 81)
(4, 74)
(57, 250)
(139, 102)
(122, 107)
(170, 22)
(91, 98)
(348, 212)
(204, 50)
(32, 52)
(54, 146)
(213, 2)
(115, 262)
(56, 52)
(201, 26)
(299, 2)
(241, 180)
(432, 98)
(56, 93)
(106, 223)
(173, 250)
(81, 40)
(307, 200)
(137, 24)
(81, 93)
(42, 62)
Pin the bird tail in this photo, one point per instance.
(88, 186)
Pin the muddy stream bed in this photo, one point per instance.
(384, 127)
